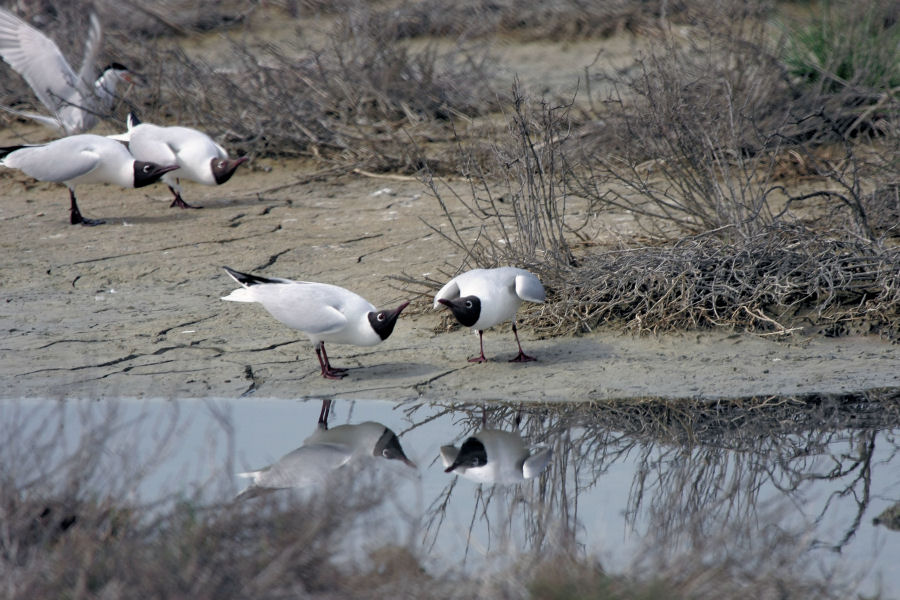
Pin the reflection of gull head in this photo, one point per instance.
(323, 453)
(494, 456)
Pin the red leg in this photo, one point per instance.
(323, 415)
(178, 202)
(75, 217)
(479, 359)
(327, 371)
(521, 357)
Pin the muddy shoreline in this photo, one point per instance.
(131, 309)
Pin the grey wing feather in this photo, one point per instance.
(536, 463)
(303, 306)
(304, 466)
(44, 165)
(324, 319)
(88, 73)
(39, 61)
(528, 287)
(448, 292)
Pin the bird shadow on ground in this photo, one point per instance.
(566, 351)
(401, 371)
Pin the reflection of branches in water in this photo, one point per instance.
(716, 459)
(691, 458)
(538, 509)
(863, 464)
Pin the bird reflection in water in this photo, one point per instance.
(324, 453)
(495, 456)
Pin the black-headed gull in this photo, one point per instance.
(323, 453)
(74, 99)
(482, 298)
(82, 158)
(495, 456)
(198, 157)
(324, 312)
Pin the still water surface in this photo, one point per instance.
(634, 486)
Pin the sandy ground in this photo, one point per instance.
(132, 309)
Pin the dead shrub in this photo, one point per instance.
(361, 101)
(772, 282)
(518, 192)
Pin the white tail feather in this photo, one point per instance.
(241, 295)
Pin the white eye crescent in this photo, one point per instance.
(146, 168)
(380, 316)
(468, 304)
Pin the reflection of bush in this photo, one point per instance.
(698, 497)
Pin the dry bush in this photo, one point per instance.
(685, 143)
(518, 192)
(532, 20)
(361, 101)
(781, 278)
(694, 139)
(697, 136)
(767, 279)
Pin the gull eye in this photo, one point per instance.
(146, 169)
(380, 316)
(468, 304)
(220, 164)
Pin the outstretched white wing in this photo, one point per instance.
(39, 61)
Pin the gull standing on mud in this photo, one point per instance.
(482, 298)
(74, 100)
(324, 312)
(198, 157)
(323, 453)
(83, 158)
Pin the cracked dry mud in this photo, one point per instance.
(131, 309)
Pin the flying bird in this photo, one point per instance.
(82, 158)
(495, 456)
(75, 100)
(482, 298)
(325, 452)
(198, 157)
(324, 312)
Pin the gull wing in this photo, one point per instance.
(449, 454)
(536, 463)
(39, 61)
(88, 73)
(309, 307)
(53, 163)
(152, 148)
(448, 292)
(528, 287)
